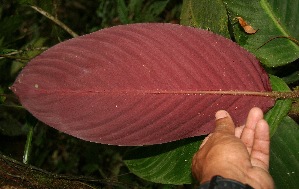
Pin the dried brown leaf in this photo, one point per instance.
(247, 28)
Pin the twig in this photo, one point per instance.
(286, 37)
(55, 20)
(10, 55)
(12, 106)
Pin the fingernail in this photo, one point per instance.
(221, 114)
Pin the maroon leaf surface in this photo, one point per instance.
(141, 84)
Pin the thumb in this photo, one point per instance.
(224, 123)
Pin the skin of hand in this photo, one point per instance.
(241, 153)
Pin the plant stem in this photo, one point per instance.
(28, 145)
(10, 55)
(55, 20)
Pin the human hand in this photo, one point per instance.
(241, 153)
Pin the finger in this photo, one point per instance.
(205, 140)
(197, 165)
(247, 136)
(224, 123)
(261, 146)
(238, 131)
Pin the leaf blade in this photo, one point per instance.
(161, 163)
(104, 94)
(270, 24)
(281, 107)
(210, 15)
(284, 164)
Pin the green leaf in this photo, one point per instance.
(278, 84)
(135, 7)
(284, 159)
(277, 114)
(272, 19)
(155, 9)
(281, 108)
(158, 7)
(123, 12)
(205, 14)
(168, 163)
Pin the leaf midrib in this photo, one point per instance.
(271, 94)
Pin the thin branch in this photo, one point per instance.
(11, 54)
(32, 177)
(12, 106)
(286, 37)
(55, 20)
(12, 57)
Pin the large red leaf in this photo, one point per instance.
(141, 84)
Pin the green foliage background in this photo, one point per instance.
(26, 33)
